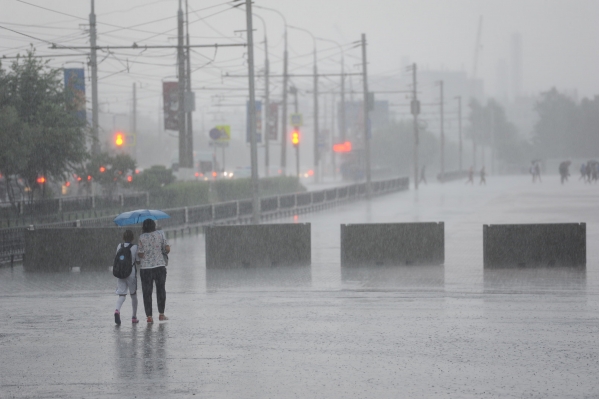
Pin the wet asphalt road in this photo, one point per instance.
(453, 331)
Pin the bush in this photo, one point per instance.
(179, 194)
(153, 179)
(190, 193)
(231, 190)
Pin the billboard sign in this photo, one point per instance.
(272, 125)
(258, 122)
(221, 133)
(74, 83)
(170, 94)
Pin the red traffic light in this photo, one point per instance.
(342, 147)
(295, 137)
(41, 180)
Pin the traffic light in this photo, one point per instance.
(41, 180)
(295, 137)
(119, 139)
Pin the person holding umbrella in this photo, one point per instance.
(152, 251)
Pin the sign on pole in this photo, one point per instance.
(221, 133)
(296, 120)
(272, 125)
(74, 83)
(170, 94)
(258, 122)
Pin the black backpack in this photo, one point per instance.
(123, 262)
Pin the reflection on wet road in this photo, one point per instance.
(320, 331)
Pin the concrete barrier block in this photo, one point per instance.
(60, 249)
(518, 245)
(392, 244)
(258, 245)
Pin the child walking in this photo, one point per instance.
(128, 283)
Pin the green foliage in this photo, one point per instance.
(393, 147)
(108, 170)
(565, 128)
(153, 179)
(230, 190)
(44, 135)
(489, 125)
(180, 194)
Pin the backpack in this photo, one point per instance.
(123, 262)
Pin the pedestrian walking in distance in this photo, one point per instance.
(124, 268)
(482, 176)
(423, 175)
(470, 176)
(152, 252)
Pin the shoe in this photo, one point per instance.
(162, 317)
(134, 320)
(150, 320)
(117, 317)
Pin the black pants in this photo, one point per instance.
(148, 276)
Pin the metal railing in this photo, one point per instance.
(12, 243)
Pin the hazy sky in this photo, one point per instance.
(560, 39)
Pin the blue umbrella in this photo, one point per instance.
(138, 216)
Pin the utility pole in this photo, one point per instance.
(252, 118)
(267, 107)
(442, 132)
(492, 139)
(316, 132)
(459, 98)
(134, 119)
(415, 111)
(94, 67)
(293, 91)
(366, 117)
(189, 113)
(183, 162)
(134, 122)
(284, 116)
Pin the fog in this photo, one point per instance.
(473, 273)
(558, 43)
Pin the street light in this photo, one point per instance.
(342, 117)
(285, 83)
(459, 98)
(316, 157)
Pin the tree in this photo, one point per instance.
(558, 126)
(41, 126)
(566, 128)
(108, 171)
(392, 147)
(154, 178)
(489, 126)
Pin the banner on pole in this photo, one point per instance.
(170, 95)
(74, 83)
(272, 125)
(258, 122)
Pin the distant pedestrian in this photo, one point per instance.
(127, 251)
(532, 172)
(583, 171)
(152, 250)
(423, 175)
(564, 171)
(482, 176)
(538, 171)
(470, 176)
(588, 172)
(595, 171)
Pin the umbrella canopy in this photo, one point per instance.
(138, 216)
